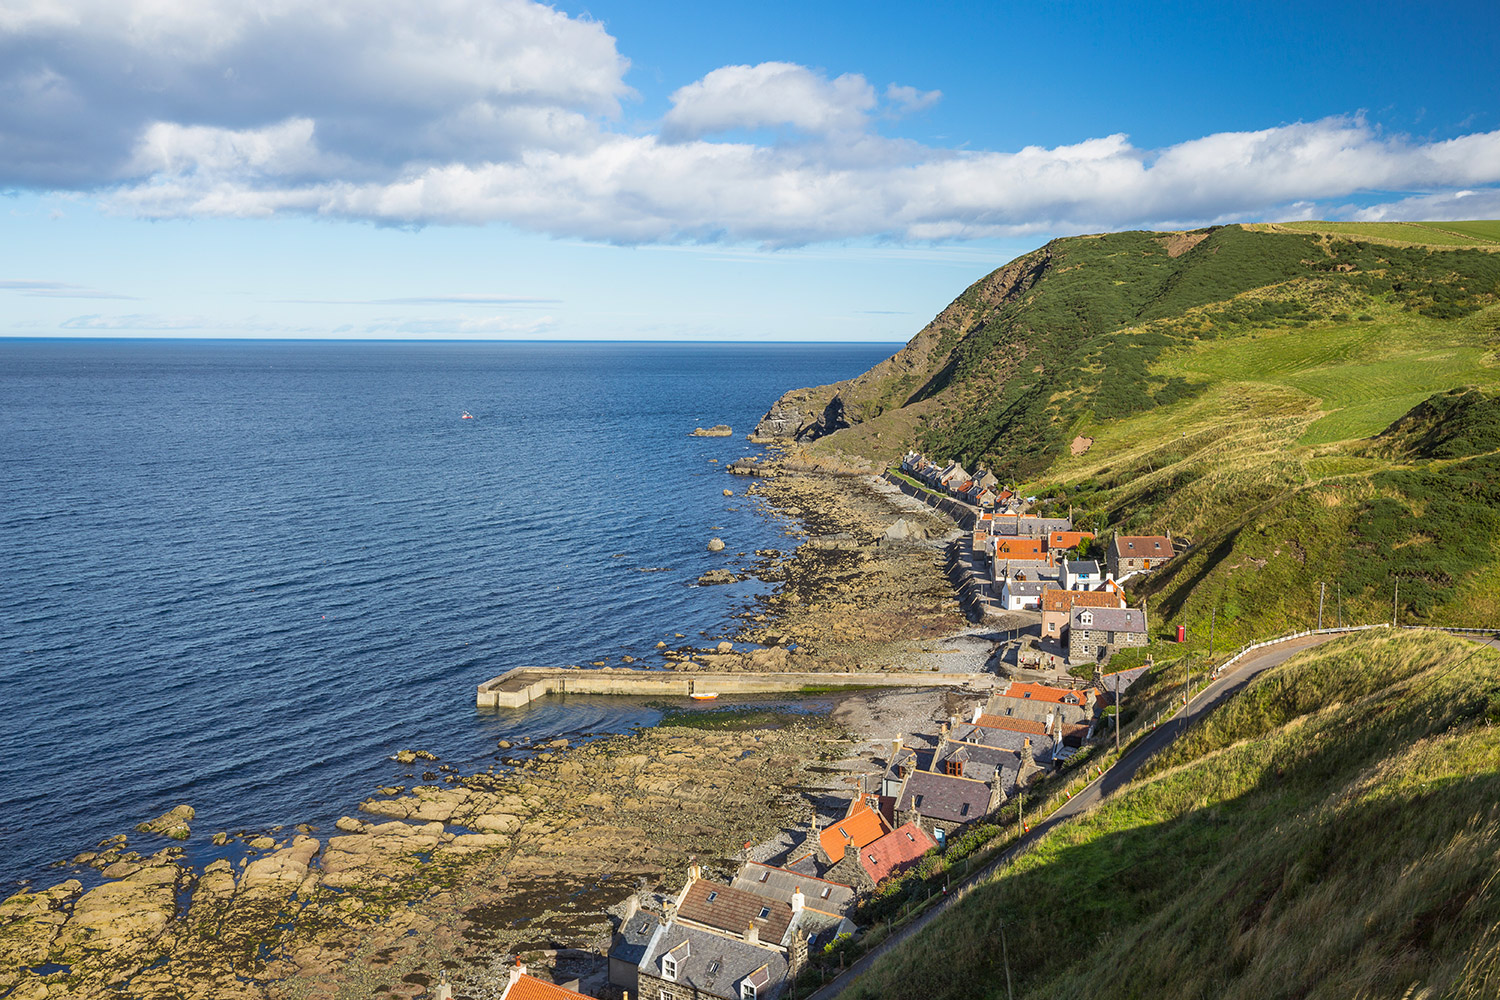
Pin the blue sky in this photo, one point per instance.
(771, 171)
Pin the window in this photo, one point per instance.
(873, 861)
(765, 875)
(668, 969)
(964, 811)
(956, 767)
(713, 967)
(765, 911)
(713, 896)
(826, 890)
(917, 802)
(911, 838)
(747, 991)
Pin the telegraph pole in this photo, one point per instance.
(1395, 602)
(1322, 593)
(1117, 711)
(1214, 613)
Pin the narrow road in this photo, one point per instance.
(1112, 780)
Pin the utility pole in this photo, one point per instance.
(1117, 711)
(1005, 950)
(1322, 593)
(1395, 602)
(1212, 614)
(1341, 605)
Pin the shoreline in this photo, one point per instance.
(457, 875)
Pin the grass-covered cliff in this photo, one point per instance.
(1330, 832)
(1282, 396)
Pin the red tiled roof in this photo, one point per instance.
(730, 909)
(1054, 599)
(896, 849)
(1041, 692)
(1020, 548)
(531, 988)
(1067, 539)
(1144, 546)
(1011, 723)
(862, 826)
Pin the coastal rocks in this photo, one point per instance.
(903, 530)
(173, 823)
(716, 576)
(410, 756)
(715, 545)
(716, 431)
(729, 493)
(803, 415)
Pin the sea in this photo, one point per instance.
(242, 575)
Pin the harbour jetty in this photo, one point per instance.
(520, 687)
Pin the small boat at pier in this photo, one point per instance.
(705, 696)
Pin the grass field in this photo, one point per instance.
(1330, 832)
(1480, 233)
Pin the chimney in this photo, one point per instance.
(978, 711)
(632, 906)
(516, 972)
(943, 733)
(752, 934)
(896, 746)
(1026, 759)
(444, 991)
(668, 911)
(694, 872)
(1050, 717)
(799, 900)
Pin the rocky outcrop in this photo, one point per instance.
(715, 545)
(715, 577)
(172, 823)
(716, 431)
(803, 415)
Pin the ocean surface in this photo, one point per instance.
(242, 575)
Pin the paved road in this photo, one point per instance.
(1118, 775)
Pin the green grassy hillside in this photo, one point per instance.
(1331, 832)
(1242, 388)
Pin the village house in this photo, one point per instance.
(1081, 575)
(1058, 605)
(887, 856)
(1066, 541)
(635, 932)
(1045, 704)
(1028, 526)
(1021, 592)
(1095, 633)
(941, 803)
(830, 898)
(1137, 553)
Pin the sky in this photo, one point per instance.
(498, 169)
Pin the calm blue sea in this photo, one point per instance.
(242, 575)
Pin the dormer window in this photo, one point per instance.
(956, 767)
(747, 991)
(669, 968)
(1087, 618)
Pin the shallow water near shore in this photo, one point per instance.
(242, 575)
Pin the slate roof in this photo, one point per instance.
(779, 883)
(1111, 619)
(732, 961)
(732, 910)
(941, 796)
(635, 934)
(979, 760)
(1081, 567)
(530, 988)
(1026, 588)
(895, 851)
(862, 826)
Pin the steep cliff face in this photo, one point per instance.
(918, 372)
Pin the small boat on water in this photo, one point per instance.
(466, 416)
(707, 696)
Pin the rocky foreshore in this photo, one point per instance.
(440, 879)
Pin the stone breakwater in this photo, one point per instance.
(523, 685)
(447, 878)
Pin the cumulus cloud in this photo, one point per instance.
(466, 112)
(770, 95)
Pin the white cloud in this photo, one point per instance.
(55, 290)
(467, 112)
(770, 95)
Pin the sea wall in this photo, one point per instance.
(963, 515)
(523, 685)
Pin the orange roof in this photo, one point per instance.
(1020, 548)
(530, 988)
(1065, 600)
(1067, 539)
(1150, 546)
(862, 826)
(1011, 723)
(897, 848)
(1041, 692)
